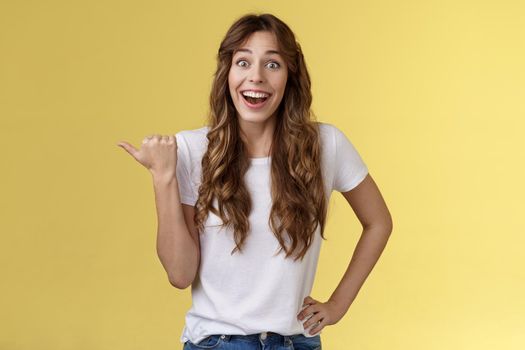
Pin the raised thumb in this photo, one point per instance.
(128, 147)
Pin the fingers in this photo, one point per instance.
(168, 139)
(309, 300)
(146, 139)
(159, 138)
(307, 311)
(311, 311)
(318, 326)
(315, 318)
(308, 308)
(316, 321)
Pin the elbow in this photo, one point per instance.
(387, 224)
(183, 277)
(388, 228)
(179, 284)
(181, 281)
(385, 227)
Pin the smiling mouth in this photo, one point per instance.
(255, 103)
(254, 100)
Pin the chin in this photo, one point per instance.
(253, 119)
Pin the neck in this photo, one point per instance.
(257, 137)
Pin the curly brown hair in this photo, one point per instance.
(299, 204)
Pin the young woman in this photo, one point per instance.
(242, 201)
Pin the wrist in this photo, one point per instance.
(340, 305)
(163, 179)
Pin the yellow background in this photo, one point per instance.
(430, 92)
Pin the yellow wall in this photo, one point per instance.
(431, 92)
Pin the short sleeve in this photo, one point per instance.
(350, 169)
(188, 195)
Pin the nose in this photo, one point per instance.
(256, 75)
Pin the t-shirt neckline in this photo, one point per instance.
(260, 160)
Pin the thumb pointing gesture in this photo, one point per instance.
(129, 148)
(158, 154)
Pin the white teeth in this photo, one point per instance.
(255, 94)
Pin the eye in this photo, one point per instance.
(238, 61)
(278, 65)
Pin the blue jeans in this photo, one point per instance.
(258, 341)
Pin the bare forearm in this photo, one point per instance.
(368, 250)
(176, 248)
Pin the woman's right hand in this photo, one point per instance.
(158, 154)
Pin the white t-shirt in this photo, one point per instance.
(257, 290)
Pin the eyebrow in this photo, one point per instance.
(268, 52)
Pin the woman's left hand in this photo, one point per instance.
(323, 314)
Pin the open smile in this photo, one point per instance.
(255, 103)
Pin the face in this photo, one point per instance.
(257, 67)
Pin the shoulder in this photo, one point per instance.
(334, 136)
(193, 138)
(327, 135)
(326, 129)
(193, 134)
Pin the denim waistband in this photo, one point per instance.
(265, 337)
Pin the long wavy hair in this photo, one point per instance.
(297, 190)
